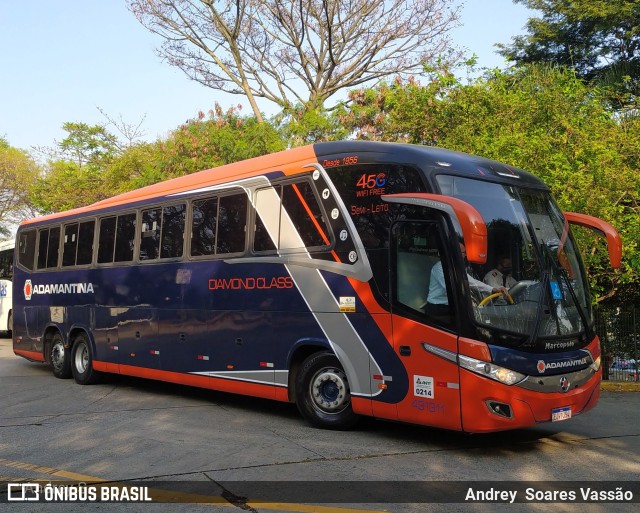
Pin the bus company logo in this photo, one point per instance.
(56, 288)
(28, 290)
(564, 384)
(544, 366)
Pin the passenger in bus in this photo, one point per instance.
(500, 276)
(437, 298)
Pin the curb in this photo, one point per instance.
(620, 386)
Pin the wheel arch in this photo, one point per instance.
(47, 336)
(300, 351)
(77, 330)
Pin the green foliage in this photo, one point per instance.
(306, 124)
(539, 118)
(76, 175)
(65, 186)
(222, 138)
(91, 165)
(600, 39)
(18, 171)
(88, 145)
(135, 167)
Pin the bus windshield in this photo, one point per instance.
(532, 255)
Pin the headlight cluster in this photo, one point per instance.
(489, 370)
(596, 364)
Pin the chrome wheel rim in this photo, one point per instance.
(57, 355)
(82, 358)
(329, 390)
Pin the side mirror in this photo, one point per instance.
(464, 216)
(614, 243)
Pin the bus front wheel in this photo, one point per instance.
(322, 393)
(59, 357)
(82, 362)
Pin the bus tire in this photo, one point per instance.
(59, 357)
(322, 393)
(82, 362)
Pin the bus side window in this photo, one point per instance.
(125, 238)
(70, 245)
(6, 264)
(27, 249)
(232, 224)
(204, 216)
(48, 248)
(417, 256)
(85, 243)
(107, 239)
(262, 241)
(116, 239)
(78, 244)
(299, 204)
(172, 241)
(299, 201)
(150, 234)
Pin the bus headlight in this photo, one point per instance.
(489, 370)
(596, 364)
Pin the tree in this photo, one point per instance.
(600, 39)
(87, 145)
(76, 174)
(275, 49)
(17, 172)
(539, 118)
(212, 140)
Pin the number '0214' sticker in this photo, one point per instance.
(423, 386)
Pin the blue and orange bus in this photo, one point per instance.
(305, 276)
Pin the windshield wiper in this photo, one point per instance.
(536, 326)
(559, 271)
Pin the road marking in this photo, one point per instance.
(55, 472)
(170, 496)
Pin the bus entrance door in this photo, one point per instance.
(420, 329)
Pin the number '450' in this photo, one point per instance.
(371, 181)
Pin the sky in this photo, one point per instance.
(64, 60)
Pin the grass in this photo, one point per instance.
(620, 386)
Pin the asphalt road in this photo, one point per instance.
(207, 446)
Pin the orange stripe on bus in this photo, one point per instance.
(36, 356)
(213, 383)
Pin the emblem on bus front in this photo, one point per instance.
(564, 384)
(28, 290)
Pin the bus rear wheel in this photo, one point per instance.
(322, 393)
(59, 357)
(82, 362)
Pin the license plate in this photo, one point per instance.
(558, 414)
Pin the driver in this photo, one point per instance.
(437, 299)
(501, 275)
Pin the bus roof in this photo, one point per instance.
(291, 161)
